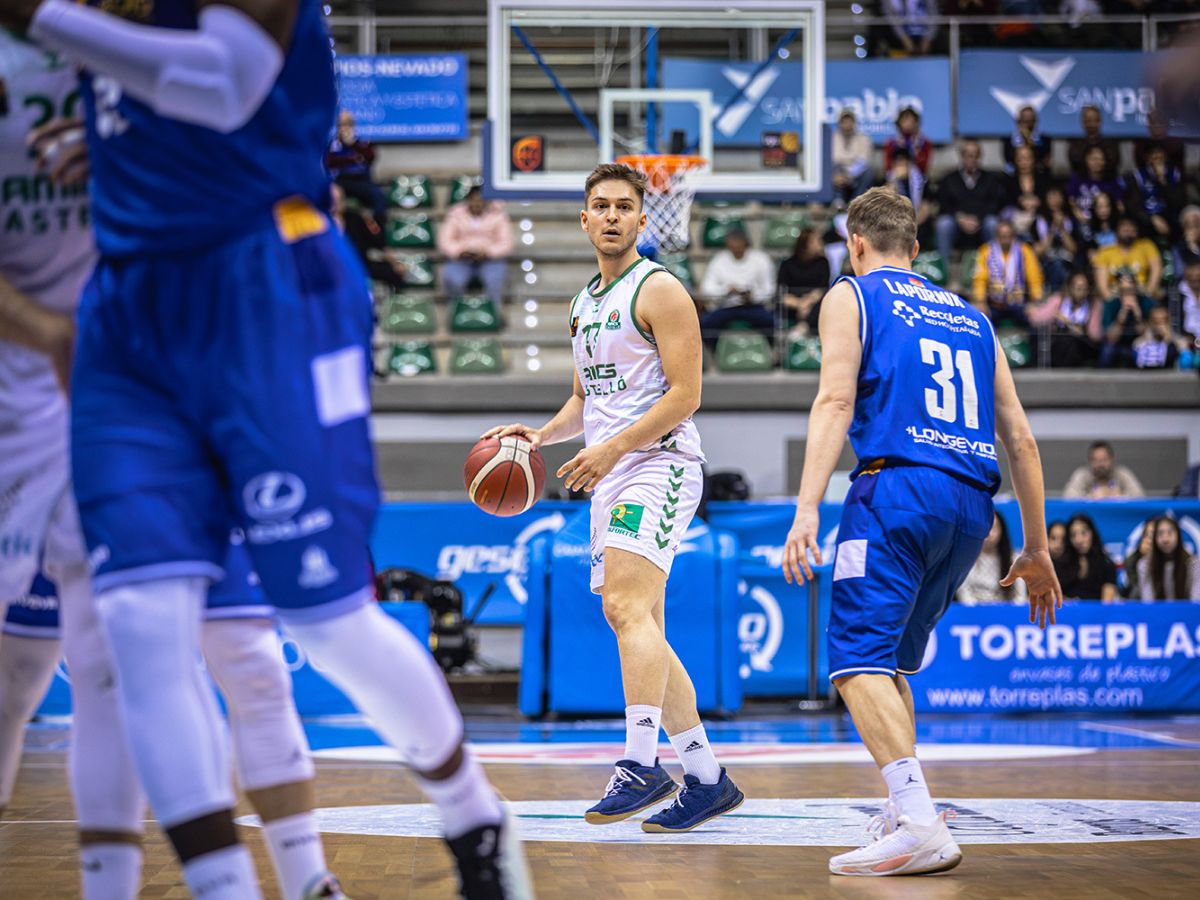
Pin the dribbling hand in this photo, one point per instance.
(533, 435)
(800, 540)
(1045, 595)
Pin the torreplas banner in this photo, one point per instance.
(1122, 658)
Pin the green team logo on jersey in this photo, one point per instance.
(626, 518)
(614, 320)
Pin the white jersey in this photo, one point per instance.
(618, 363)
(46, 247)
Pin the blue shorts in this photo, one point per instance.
(236, 596)
(228, 387)
(908, 537)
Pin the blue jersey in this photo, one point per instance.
(160, 185)
(926, 385)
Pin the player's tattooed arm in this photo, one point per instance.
(828, 424)
(1033, 565)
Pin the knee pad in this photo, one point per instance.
(245, 658)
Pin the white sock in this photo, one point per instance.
(695, 753)
(641, 733)
(110, 871)
(907, 788)
(296, 852)
(466, 799)
(225, 874)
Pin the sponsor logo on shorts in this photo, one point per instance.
(316, 571)
(626, 519)
(273, 532)
(14, 546)
(273, 496)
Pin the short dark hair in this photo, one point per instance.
(615, 172)
(1101, 445)
(884, 219)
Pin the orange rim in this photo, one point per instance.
(660, 168)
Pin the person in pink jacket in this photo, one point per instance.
(1073, 320)
(476, 239)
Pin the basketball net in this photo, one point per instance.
(670, 190)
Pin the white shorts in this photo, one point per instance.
(39, 524)
(645, 505)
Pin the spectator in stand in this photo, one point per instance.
(1124, 321)
(852, 152)
(349, 161)
(366, 237)
(1099, 229)
(1073, 322)
(1156, 195)
(1077, 148)
(1024, 189)
(1026, 134)
(970, 198)
(1159, 135)
(1083, 188)
(803, 280)
(1187, 249)
(911, 139)
(1056, 244)
(1007, 276)
(740, 280)
(476, 238)
(983, 581)
(1170, 572)
(912, 24)
(1133, 255)
(906, 180)
(1130, 583)
(1056, 541)
(1087, 572)
(1158, 347)
(1189, 306)
(1102, 478)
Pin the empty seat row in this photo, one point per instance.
(470, 356)
(410, 314)
(416, 191)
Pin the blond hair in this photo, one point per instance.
(884, 219)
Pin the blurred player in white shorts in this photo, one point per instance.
(636, 342)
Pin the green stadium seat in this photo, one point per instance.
(743, 351)
(405, 314)
(716, 227)
(1015, 345)
(680, 266)
(783, 229)
(933, 266)
(420, 269)
(411, 192)
(477, 356)
(461, 184)
(967, 270)
(410, 230)
(474, 314)
(412, 358)
(803, 354)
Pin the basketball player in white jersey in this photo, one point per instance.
(636, 342)
(46, 253)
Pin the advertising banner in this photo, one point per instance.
(993, 86)
(1122, 658)
(773, 100)
(405, 98)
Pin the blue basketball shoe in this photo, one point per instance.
(631, 789)
(696, 805)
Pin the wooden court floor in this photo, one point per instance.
(36, 837)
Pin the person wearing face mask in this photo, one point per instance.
(1169, 572)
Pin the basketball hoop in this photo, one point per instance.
(670, 189)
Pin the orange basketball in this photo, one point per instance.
(504, 476)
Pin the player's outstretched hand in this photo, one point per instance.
(533, 435)
(585, 469)
(1045, 594)
(61, 150)
(800, 540)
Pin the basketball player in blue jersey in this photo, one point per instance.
(221, 381)
(914, 375)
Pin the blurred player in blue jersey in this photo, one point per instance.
(913, 374)
(221, 380)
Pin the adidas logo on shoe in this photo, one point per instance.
(646, 722)
(694, 745)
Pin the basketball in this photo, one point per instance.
(504, 476)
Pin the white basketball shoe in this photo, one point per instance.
(908, 849)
